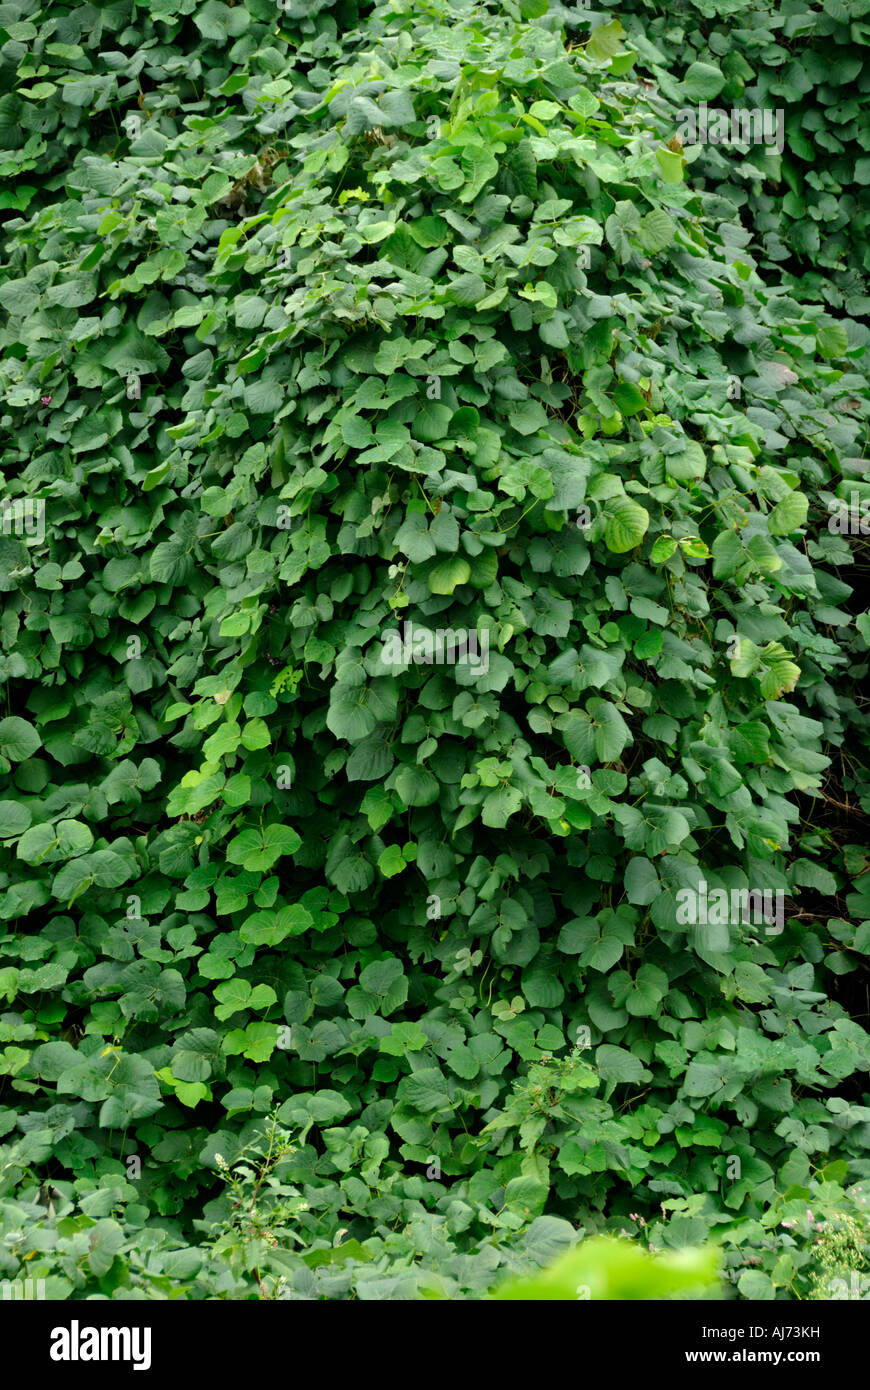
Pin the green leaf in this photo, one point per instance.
(14, 819)
(656, 231)
(832, 339)
(605, 40)
(612, 733)
(754, 1284)
(415, 786)
(390, 862)
(255, 849)
(618, 1064)
(789, 514)
(447, 575)
(670, 164)
(431, 422)
(627, 523)
(18, 739)
(703, 81)
(425, 1091)
(479, 166)
(641, 881)
(628, 398)
(781, 674)
(49, 843)
(526, 1196)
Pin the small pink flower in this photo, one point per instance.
(809, 1216)
(46, 400)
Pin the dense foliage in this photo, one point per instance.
(808, 206)
(332, 968)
